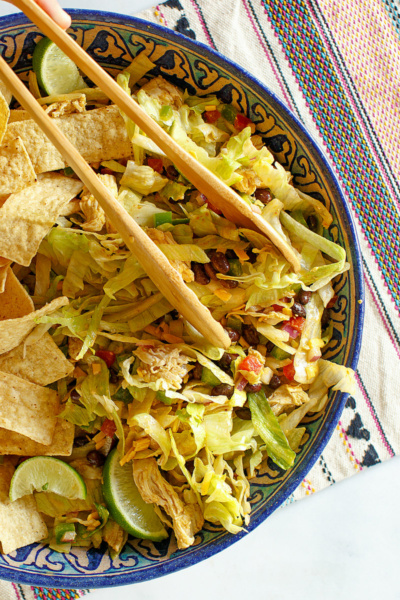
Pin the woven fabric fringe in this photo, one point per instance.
(330, 64)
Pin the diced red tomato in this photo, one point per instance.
(107, 356)
(210, 116)
(109, 427)
(241, 121)
(332, 302)
(277, 307)
(156, 164)
(213, 208)
(289, 371)
(297, 323)
(250, 363)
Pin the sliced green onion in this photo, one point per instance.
(64, 532)
(235, 268)
(279, 354)
(229, 113)
(166, 113)
(180, 221)
(161, 218)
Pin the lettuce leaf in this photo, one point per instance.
(142, 179)
(268, 428)
(306, 362)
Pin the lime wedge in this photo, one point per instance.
(125, 503)
(46, 474)
(56, 73)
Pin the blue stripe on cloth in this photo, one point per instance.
(339, 125)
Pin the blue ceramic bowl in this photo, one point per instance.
(113, 40)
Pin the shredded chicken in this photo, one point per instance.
(286, 398)
(114, 535)
(164, 92)
(61, 109)
(154, 489)
(250, 181)
(71, 208)
(165, 237)
(92, 211)
(162, 362)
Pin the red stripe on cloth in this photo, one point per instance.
(350, 97)
(375, 418)
(203, 24)
(375, 300)
(16, 591)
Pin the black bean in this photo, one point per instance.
(229, 283)
(74, 395)
(200, 275)
(251, 335)
(113, 376)
(298, 310)
(197, 371)
(253, 388)
(95, 458)
(220, 262)
(231, 254)
(304, 297)
(252, 256)
(243, 413)
(223, 389)
(210, 271)
(275, 382)
(226, 360)
(326, 317)
(263, 194)
(312, 222)
(269, 346)
(172, 173)
(234, 335)
(80, 441)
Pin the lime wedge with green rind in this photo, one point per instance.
(125, 503)
(46, 474)
(55, 72)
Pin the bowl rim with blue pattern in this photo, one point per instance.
(26, 567)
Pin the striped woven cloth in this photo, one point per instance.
(336, 65)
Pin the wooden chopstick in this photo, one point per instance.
(156, 265)
(221, 195)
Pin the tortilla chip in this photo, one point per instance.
(14, 330)
(41, 363)
(19, 445)
(99, 134)
(14, 301)
(6, 472)
(16, 169)
(4, 112)
(18, 115)
(28, 215)
(21, 524)
(3, 277)
(6, 92)
(28, 409)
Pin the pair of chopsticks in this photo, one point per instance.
(158, 268)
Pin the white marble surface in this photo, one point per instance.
(340, 543)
